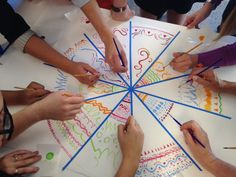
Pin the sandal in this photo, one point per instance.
(121, 13)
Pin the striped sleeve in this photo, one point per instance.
(21, 41)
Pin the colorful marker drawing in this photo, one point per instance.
(167, 160)
(92, 134)
(202, 97)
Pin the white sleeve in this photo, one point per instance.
(21, 41)
(80, 3)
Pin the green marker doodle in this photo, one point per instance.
(49, 156)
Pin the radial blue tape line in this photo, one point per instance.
(168, 132)
(104, 57)
(130, 53)
(101, 96)
(80, 149)
(157, 58)
(183, 104)
(166, 80)
(111, 83)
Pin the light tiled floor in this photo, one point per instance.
(211, 22)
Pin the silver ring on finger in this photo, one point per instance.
(15, 157)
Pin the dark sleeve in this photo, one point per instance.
(12, 24)
(227, 53)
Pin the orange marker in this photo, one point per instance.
(67, 94)
(190, 50)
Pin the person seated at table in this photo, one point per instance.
(18, 33)
(182, 62)
(176, 10)
(208, 78)
(55, 106)
(32, 93)
(205, 156)
(120, 10)
(197, 17)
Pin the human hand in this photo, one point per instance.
(81, 70)
(182, 62)
(59, 105)
(207, 79)
(19, 162)
(197, 17)
(131, 139)
(33, 92)
(203, 155)
(112, 56)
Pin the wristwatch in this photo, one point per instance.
(213, 2)
(118, 9)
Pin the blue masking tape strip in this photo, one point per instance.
(104, 57)
(166, 80)
(157, 58)
(107, 82)
(200, 109)
(101, 96)
(199, 168)
(82, 147)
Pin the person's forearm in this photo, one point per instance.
(127, 169)
(220, 168)
(228, 87)
(93, 12)
(227, 53)
(25, 118)
(12, 97)
(40, 49)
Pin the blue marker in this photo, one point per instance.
(119, 53)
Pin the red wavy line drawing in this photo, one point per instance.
(57, 139)
(86, 118)
(105, 110)
(70, 135)
(142, 52)
(79, 123)
(147, 28)
(122, 31)
(161, 155)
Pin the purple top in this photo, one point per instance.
(227, 53)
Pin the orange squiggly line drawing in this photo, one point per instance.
(101, 88)
(142, 52)
(208, 99)
(105, 110)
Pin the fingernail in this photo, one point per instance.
(184, 132)
(194, 78)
